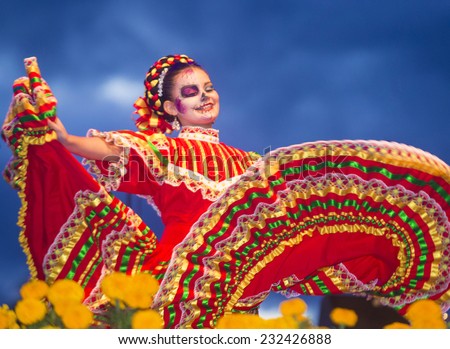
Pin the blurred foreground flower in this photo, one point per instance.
(343, 317)
(423, 314)
(143, 319)
(292, 312)
(131, 297)
(8, 318)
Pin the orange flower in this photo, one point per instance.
(293, 307)
(115, 286)
(77, 315)
(344, 317)
(30, 311)
(7, 318)
(146, 319)
(36, 289)
(64, 291)
(240, 321)
(397, 325)
(425, 313)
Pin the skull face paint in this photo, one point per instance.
(196, 100)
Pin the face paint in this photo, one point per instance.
(197, 102)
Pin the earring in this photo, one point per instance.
(176, 125)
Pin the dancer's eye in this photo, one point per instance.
(189, 91)
(209, 88)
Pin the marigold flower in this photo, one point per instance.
(65, 290)
(36, 289)
(344, 317)
(283, 322)
(423, 311)
(432, 323)
(293, 307)
(7, 318)
(77, 315)
(145, 281)
(146, 319)
(240, 321)
(61, 305)
(138, 298)
(30, 311)
(397, 325)
(115, 286)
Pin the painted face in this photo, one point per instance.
(196, 100)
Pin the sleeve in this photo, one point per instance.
(142, 165)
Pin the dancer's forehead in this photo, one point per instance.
(191, 78)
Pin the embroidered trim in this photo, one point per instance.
(199, 134)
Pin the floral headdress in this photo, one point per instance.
(150, 107)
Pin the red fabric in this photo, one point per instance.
(53, 178)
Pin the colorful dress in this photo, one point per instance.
(361, 217)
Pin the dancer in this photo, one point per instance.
(317, 218)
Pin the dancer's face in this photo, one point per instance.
(195, 101)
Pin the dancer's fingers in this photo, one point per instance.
(22, 99)
(21, 85)
(34, 74)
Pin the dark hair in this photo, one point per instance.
(164, 72)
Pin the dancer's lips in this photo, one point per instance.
(205, 107)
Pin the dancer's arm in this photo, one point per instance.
(93, 148)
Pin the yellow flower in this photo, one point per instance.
(240, 321)
(29, 311)
(136, 291)
(146, 319)
(145, 281)
(7, 318)
(280, 323)
(115, 286)
(432, 323)
(425, 313)
(65, 290)
(140, 295)
(77, 315)
(138, 298)
(50, 327)
(293, 307)
(344, 317)
(397, 325)
(36, 289)
(61, 305)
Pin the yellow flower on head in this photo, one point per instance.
(77, 315)
(293, 307)
(36, 289)
(146, 319)
(65, 290)
(29, 311)
(397, 325)
(7, 318)
(344, 317)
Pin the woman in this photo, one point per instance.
(316, 218)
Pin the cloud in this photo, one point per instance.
(120, 91)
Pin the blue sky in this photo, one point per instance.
(288, 71)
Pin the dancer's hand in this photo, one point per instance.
(58, 127)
